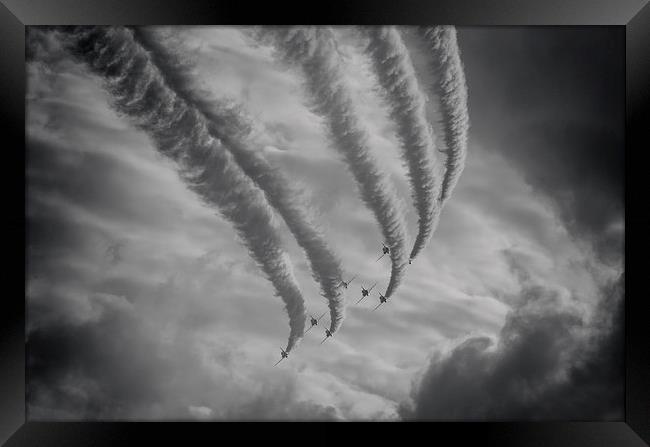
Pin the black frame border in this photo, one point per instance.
(634, 15)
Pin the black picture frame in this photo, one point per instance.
(634, 15)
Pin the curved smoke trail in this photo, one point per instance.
(451, 89)
(392, 64)
(232, 126)
(313, 49)
(180, 132)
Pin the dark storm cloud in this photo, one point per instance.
(551, 100)
(542, 367)
(113, 366)
(92, 369)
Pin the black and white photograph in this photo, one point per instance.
(324, 223)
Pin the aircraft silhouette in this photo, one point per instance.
(365, 293)
(314, 321)
(284, 353)
(385, 251)
(346, 284)
(382, 300)
(327, 335)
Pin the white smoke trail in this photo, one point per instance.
(313, 49)
(180, 132)
(451, 89)
(231, 125)
(392, 64)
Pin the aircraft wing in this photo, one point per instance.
(373, 286)
(383, 254)
(323, 340)
(360, 300)
(308, 329)
(321, 316)
(377, 307)
(278, 362)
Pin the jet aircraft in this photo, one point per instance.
(284, 353)
(314, 321)
(365, 293)
(327, 335)
(346, 284)
(382, 300)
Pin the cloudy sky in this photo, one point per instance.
(143, 302)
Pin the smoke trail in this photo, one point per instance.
(392, 64)
(231, 125)
(180, 132)
(451, 90)
(314, 51)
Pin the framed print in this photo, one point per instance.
(420, 212)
